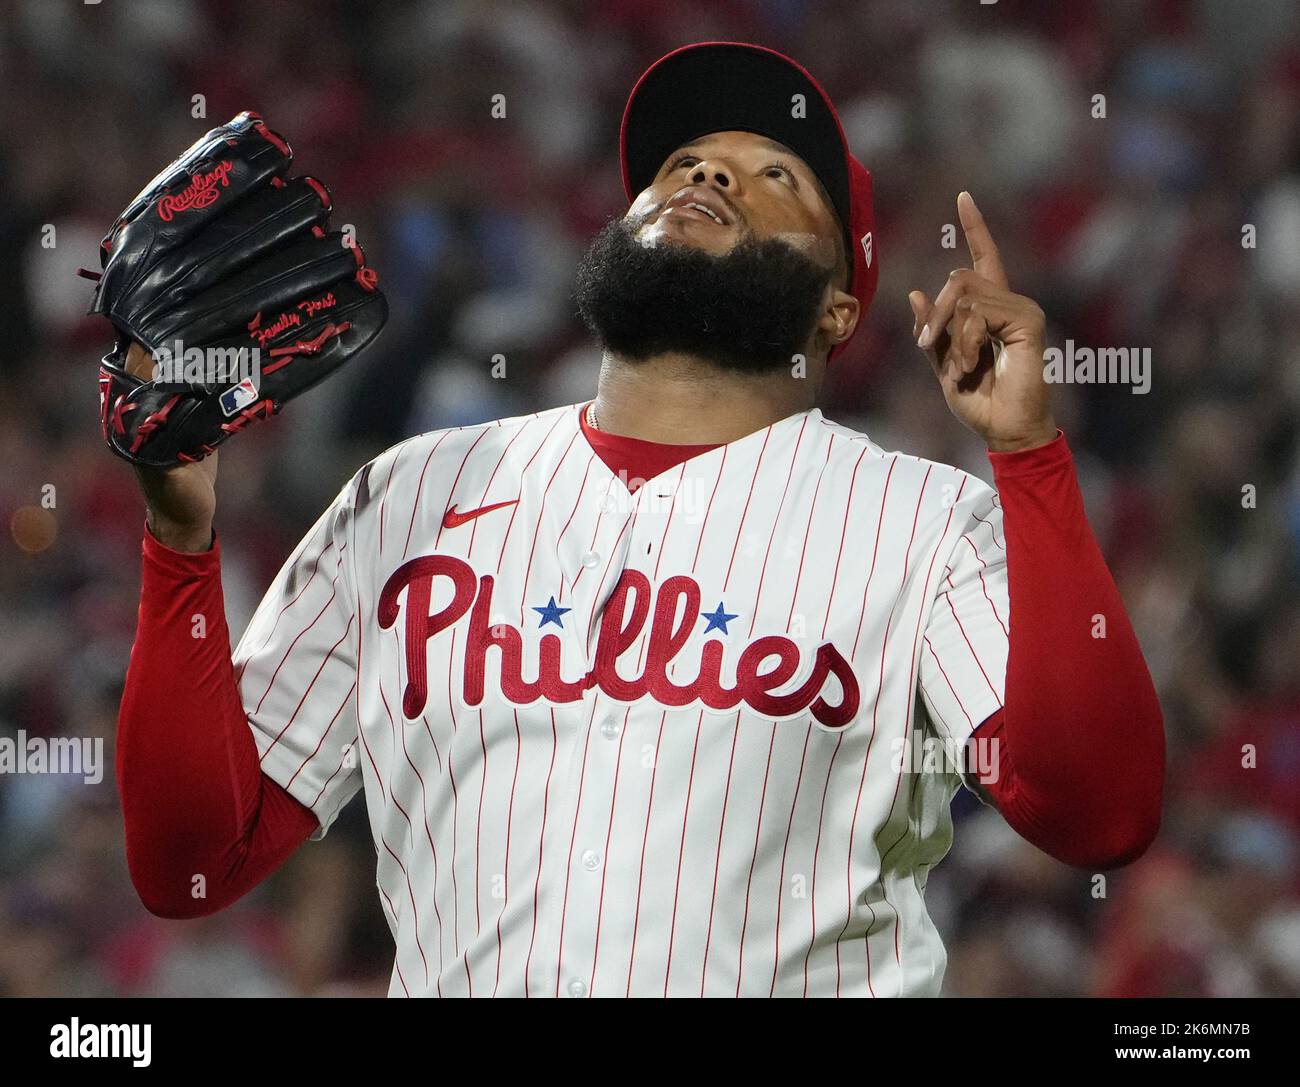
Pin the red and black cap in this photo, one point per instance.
(723, 86)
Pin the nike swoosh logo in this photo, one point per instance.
(452, 519)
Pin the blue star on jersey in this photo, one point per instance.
(718, 619)
(551, 613)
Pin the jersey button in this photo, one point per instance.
(590, 860)
(609, 728)
(577, 988)
(590, 558)
(608, 504)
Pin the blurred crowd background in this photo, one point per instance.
(1171, 223)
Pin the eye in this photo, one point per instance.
(679, 161)
(777, 169)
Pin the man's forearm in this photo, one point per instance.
(203, 824)
(1081, 734)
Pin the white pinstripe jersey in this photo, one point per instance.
(640, 743)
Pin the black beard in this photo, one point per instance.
(752, 309)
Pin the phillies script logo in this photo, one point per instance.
(631, 604)
(289, 319)
(201, 192)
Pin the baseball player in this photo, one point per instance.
(667, 693)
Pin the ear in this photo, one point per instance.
(839, 316)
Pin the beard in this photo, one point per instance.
(751, 309)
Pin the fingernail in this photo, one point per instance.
(923, 341)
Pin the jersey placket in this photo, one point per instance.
(626, 536)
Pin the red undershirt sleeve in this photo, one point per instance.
(1080, 738)
(203, 824)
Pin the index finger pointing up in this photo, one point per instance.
(983, 253)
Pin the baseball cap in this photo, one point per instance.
(723, 86)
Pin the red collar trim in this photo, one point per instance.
(636, 460)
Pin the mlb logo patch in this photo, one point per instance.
(866, 247)
(238, 396)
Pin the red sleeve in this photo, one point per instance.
(204, 825)
(1081, 746)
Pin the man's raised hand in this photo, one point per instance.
(985, 344)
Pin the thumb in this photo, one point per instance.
(921, 307)
(139, 363)
(920, 310)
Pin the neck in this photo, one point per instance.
(679, 400)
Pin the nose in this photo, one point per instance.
(711, 170)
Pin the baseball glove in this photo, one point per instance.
(222, 268)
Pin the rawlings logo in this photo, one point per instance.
(289, 319)
(202, 192)
(621, 624)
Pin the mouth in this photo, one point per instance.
(692, 211)
(694, 202)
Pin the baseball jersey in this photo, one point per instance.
(696, 737)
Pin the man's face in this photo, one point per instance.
(758, 188)
(732, 254)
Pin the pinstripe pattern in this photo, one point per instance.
(588, 845)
